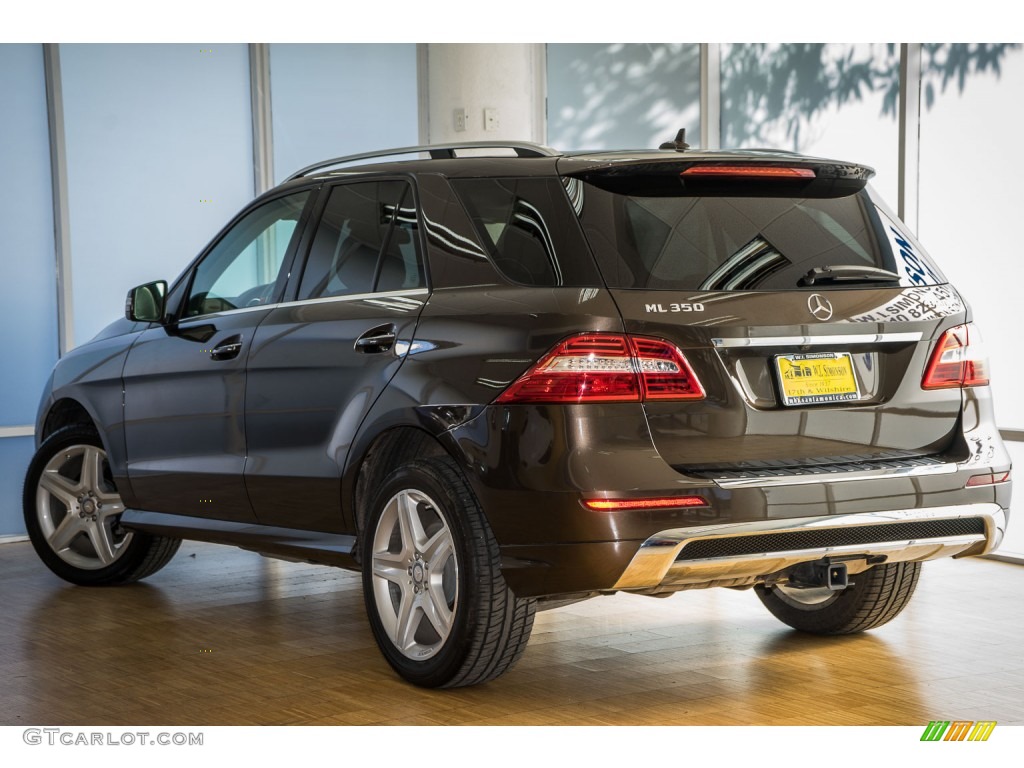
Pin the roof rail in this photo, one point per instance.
(436, 151)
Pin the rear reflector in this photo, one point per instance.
(989, 478)
(763, 171)
(607, 368)
(958, 360)
(611, 505)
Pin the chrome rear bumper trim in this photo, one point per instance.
(655, 564)
(817, 341)
(837, 477)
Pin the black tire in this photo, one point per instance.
(88, 507)
(486, 626)
(875, 597)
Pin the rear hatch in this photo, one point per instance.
(804, 308)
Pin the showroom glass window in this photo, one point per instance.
(611, 95)
(365, 242)
(821, 99)
(243, 267)
(969, 210)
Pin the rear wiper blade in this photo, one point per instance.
(848, 273)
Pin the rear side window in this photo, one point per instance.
(529, 229)
(365, 242)
(728, 242)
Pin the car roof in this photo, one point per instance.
(561, 163)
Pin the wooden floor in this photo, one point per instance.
(224, 637)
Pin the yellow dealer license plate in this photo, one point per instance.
(817, 377)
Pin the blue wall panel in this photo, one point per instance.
(15, 454)
(332, 100)
(159, 143)
(28, 311)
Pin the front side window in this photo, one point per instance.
(365, 242)
(242, 269)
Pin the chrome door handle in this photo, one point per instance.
(379, 339)
(227, 349)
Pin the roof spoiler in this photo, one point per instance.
(746, 175)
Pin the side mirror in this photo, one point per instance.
(147, 303)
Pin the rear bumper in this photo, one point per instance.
(532, 466)
(744, 553)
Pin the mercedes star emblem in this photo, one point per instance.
(819, 306)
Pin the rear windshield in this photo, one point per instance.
(724, 242)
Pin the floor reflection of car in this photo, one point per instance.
(499, 384)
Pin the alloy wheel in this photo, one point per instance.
(79, 509)
(415, 574)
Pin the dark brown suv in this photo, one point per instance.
(495, 384)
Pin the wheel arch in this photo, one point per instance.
(65, 412)
(391, 448)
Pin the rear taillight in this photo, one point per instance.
(664, 372)
(607, 368)
(958, 360)
(748, 171)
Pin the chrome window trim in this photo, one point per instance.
(321, 300)
(358, 297)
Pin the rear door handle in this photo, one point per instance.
(227, 349)
(379, 339)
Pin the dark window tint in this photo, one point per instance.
(365, 241)
(722, 242)
(400, 268)
(529, 229)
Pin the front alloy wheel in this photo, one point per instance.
(78, 508)
(73, 515)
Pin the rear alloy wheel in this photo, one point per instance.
(876, 596)
(73, 513)
(415, 574)
(437, 603)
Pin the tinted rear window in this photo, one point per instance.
(726, 242)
